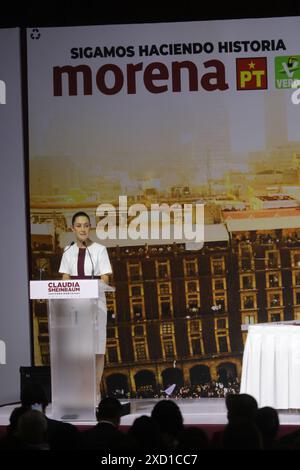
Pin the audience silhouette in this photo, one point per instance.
(248, 428)
(105, 436)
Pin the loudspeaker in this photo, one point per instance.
(36, 374)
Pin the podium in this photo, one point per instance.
(72, 317)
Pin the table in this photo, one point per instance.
(271, 365)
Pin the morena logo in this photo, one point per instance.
(2, 92)
(156, 77)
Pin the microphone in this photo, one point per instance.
(85, 244)
(68, 247)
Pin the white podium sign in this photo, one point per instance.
(69, 289)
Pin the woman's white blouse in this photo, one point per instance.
(98, 254)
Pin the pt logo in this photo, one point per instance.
(287, 71)
(251, 73)
(2, 92)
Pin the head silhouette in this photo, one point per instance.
(241, 407)
(109, 409)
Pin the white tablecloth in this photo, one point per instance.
(271, 365)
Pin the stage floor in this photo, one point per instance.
(210, 411)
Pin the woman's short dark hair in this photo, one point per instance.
(80, 214)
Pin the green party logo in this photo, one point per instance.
(287, 71)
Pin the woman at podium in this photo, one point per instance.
(85, 259)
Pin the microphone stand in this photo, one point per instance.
(42, 270)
